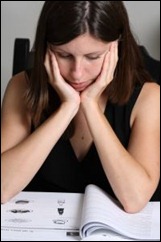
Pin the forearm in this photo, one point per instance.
(128, 178)
(21, 163)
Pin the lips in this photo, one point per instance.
(80, 86)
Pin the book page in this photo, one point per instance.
(104, 235)
(38, 216)
(100, 211)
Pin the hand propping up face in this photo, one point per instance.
(64, 90)
(94, 91)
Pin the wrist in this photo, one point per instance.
(70, 106)
(89, 105)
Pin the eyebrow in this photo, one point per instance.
(91, 53)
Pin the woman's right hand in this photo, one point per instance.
(66, 92)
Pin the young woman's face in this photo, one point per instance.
(80, 61)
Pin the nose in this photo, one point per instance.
(77, 70)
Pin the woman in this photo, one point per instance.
(86, 113)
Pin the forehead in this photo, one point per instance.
(84, 44)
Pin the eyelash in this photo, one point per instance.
(69, 57)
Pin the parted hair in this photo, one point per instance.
(59, 23)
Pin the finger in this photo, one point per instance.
(106, 61)
(55, 66)
(48, 65)
(112, 60)
(105, 65)
(116, 51)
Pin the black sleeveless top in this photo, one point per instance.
(62, 172)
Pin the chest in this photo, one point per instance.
(82, 139)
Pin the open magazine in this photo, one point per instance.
(101, 214)
(93, 216)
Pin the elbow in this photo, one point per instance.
(136, 202)
(134, 205)
(133, 209)
(5, 196)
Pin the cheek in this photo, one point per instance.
(95, 69)
(63, 67)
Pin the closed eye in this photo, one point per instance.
(65, 56)
(93, 57)
(68, 56)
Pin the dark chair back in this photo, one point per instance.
(20, 55)
(152, 65)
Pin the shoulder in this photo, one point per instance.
(149, 96)
(18, 82)
(16, 88)
(148, 101)
(14, 97)
(151, 89)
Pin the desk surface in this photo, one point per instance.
(37, 216)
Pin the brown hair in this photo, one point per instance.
(61, 22)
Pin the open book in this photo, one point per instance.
(93, 216)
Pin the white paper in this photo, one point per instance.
(35, 216)
(100, 211)
(42, 216)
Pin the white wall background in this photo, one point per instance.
(19, 19)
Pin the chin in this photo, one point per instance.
(80, 89)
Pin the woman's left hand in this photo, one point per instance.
(93, 92)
